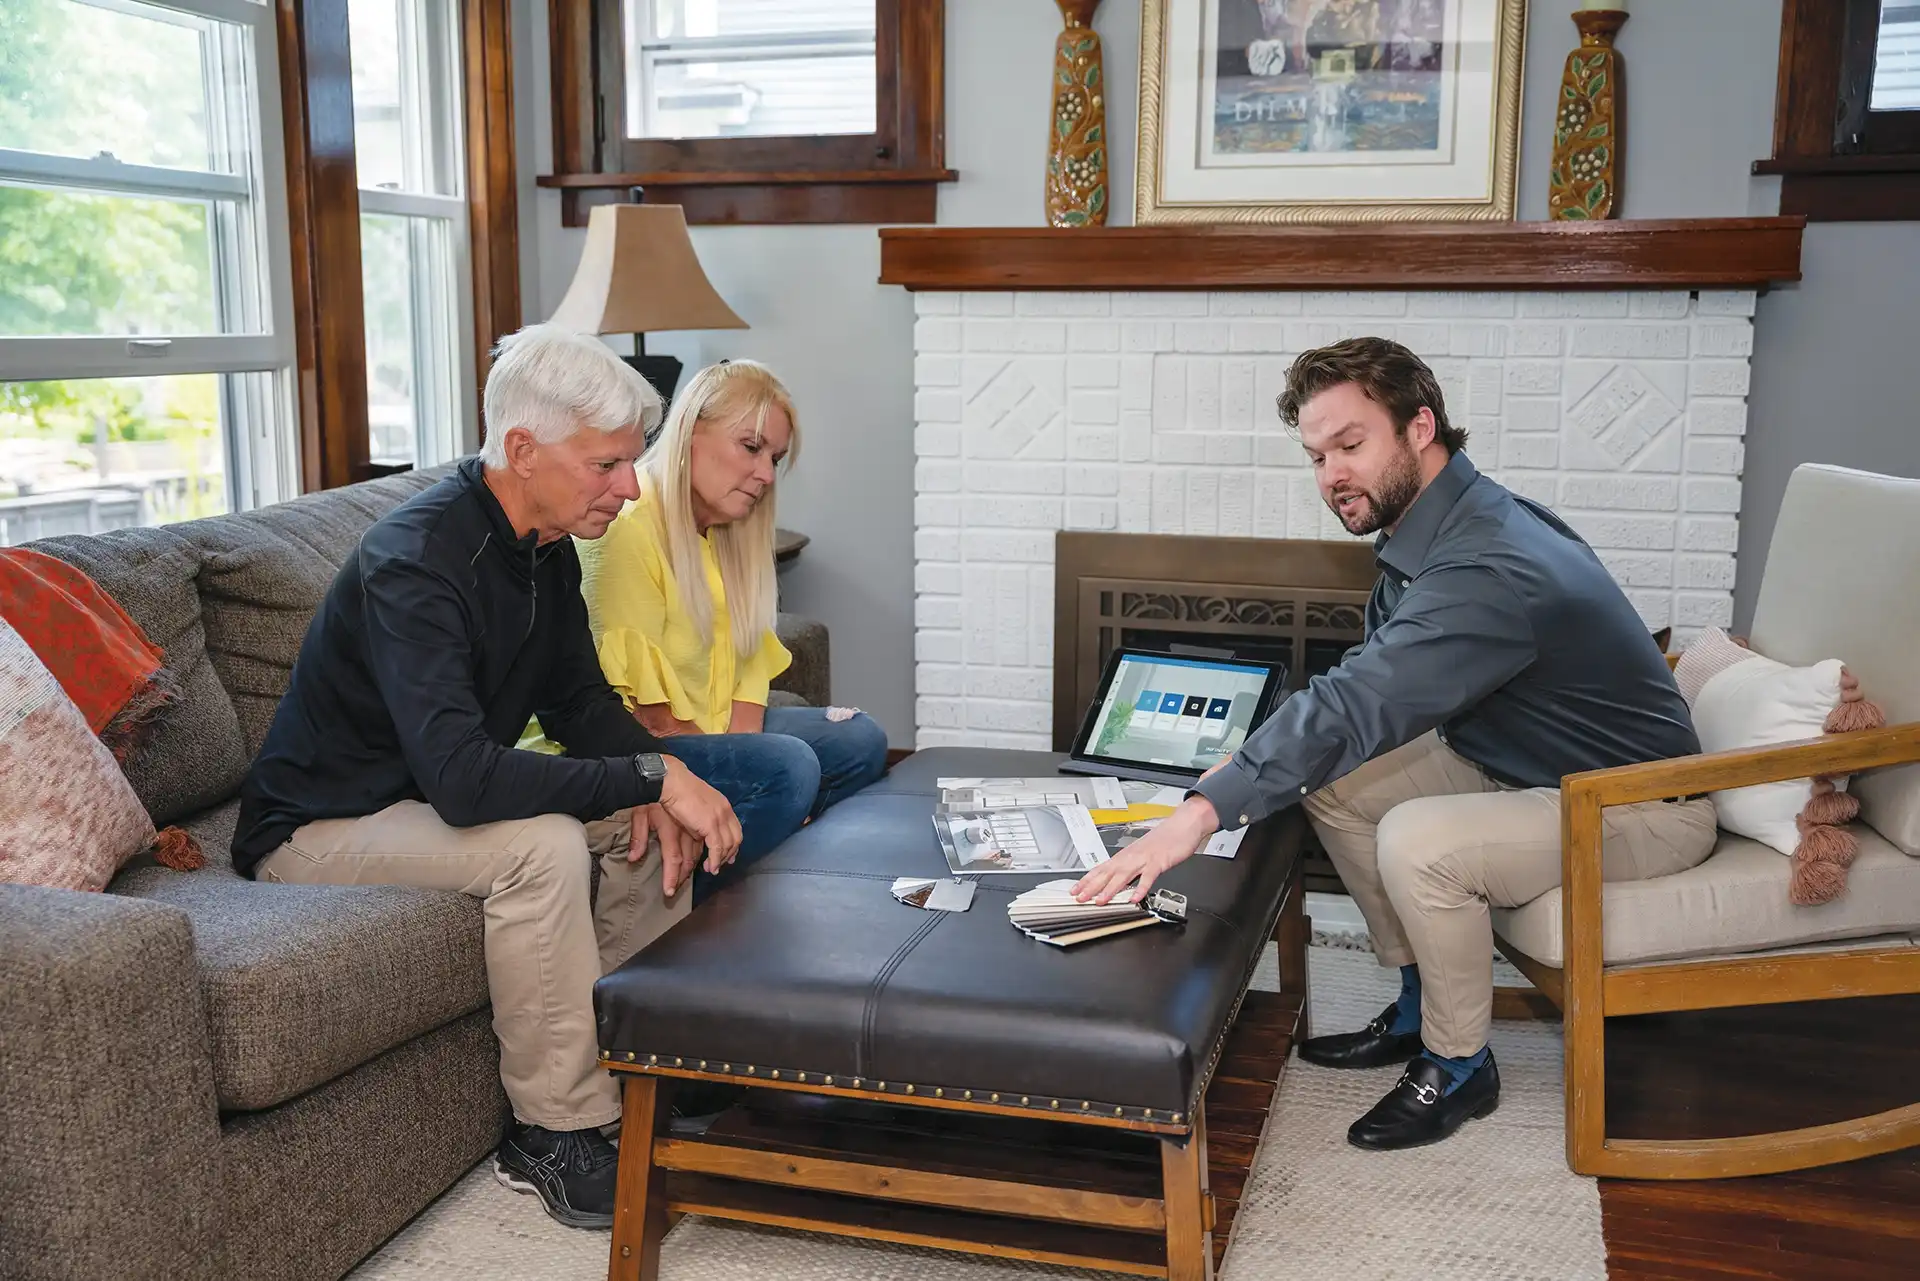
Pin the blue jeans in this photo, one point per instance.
(779, 779)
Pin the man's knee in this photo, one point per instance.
(553, 847)
(1412, 843)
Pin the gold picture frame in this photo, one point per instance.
(1173, 29)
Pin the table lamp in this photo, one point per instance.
(638, 275)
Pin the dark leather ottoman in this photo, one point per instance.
(887, 1042)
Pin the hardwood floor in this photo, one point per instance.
(1725, 1072)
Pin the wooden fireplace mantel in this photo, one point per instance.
(1739, 253)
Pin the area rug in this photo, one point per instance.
(1494, 1203)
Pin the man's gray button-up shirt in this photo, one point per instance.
(1493, 622)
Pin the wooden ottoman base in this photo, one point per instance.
(1148, 1198)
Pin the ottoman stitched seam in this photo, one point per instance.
(863, 1063)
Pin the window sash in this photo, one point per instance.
(799, 44)
(253, 280)
(57, 359)
(241, 13)
(432, 103)
(116, 177)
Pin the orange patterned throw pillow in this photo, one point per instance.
(68, 817)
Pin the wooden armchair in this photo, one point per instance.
(1840, 582)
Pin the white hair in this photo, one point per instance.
(554, 381)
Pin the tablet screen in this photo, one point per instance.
(1173, 712)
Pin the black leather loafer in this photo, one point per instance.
(1372, 1046)
(1418, 1111)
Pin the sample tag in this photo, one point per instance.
(1226, 844)
(935, 896)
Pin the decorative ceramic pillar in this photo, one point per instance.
(1077, 138)
(1584, 181)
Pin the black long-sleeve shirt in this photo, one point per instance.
(1493, 622)
(441, 636)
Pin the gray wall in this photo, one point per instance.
(1700, 85)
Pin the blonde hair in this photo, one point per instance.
(718, 397)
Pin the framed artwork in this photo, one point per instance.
(1328, 110)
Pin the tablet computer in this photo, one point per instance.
(1168, 717)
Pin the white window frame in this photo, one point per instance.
(262, 460)
(447, 417)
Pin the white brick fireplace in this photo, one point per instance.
(1154, 413)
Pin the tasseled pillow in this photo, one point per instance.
(1741, 699)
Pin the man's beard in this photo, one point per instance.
(1388, 501)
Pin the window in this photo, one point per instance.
(415, 267)
(1847, 123)
(1896, 58)
(749, 68)
(145, 327)
(751, 110)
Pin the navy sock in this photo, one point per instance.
(1406, 1011)
(1459, 1069)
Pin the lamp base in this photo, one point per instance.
(663, 372)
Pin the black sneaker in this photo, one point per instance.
(573, 1172)
(698, 1104)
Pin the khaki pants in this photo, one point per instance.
(1424, 841)
(546, 942)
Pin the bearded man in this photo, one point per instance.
(1499, 656)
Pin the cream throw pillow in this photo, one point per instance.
(68, 817)
(1757, 702)
(1741, 699)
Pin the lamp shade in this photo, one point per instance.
(638, 274)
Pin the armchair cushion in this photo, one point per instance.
(1734, 902)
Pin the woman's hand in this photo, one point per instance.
(657, 719)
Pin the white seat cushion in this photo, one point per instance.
(1734, 902)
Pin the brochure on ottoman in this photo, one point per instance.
(1111, 800)
(1020, 840)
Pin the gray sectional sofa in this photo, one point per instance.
(201, 1076)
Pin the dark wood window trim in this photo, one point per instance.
(323, 207)
(492, 191)
(890, 175)
(1839, 162)
(324, 216)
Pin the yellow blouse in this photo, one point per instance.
(648, 647)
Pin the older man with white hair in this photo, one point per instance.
(391, 760)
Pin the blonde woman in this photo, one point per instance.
(681, 598)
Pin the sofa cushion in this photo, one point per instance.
(305, 982)
(1844, 551)
(809, 675)
(195, 756)
(263, 575)
(1736, 901)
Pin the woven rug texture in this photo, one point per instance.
(1494, 1203)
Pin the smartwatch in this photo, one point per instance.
(652, 768)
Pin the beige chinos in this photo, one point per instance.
(546, 939)
(1425, 841)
